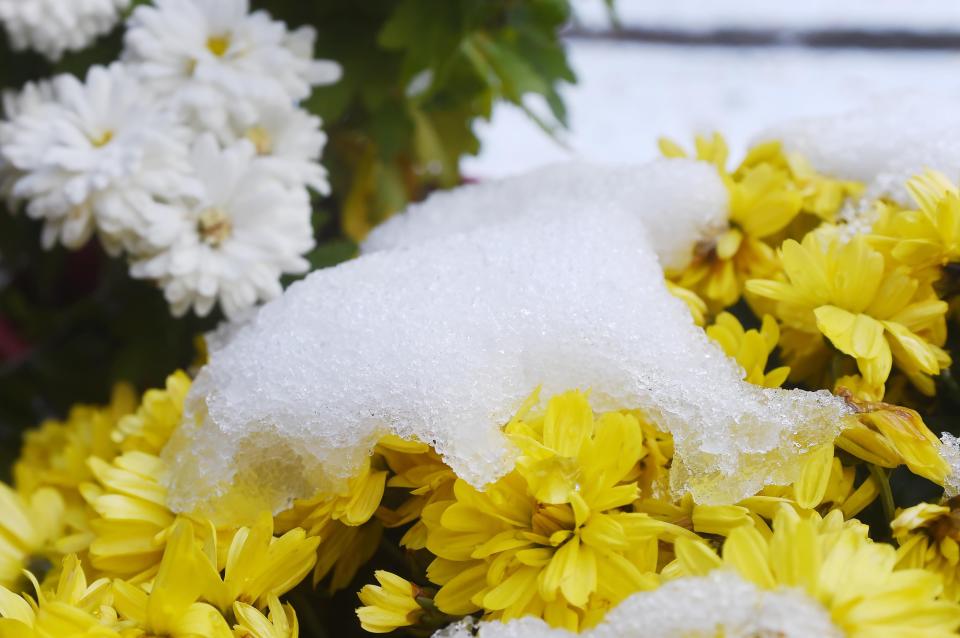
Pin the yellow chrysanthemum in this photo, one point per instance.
(556, 537)
(929, 538)
(824, 485)
(171, 607)
(877, 314)
(255, 566)
(251, 623)
(836, 564)
(158, 415)
(72, 609)
(32, 530)
(55, 454)
(390, 605)
(767, 192)
(889, 436)
(928, 238)
(345, 524)
(420, 472)
(130, 500)
(751, 348)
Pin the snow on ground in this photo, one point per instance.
(629, 94)
(708, 15)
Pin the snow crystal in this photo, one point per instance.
(720, 603)
(679, 200)
(443, 340)
(951, 454)
(883, 144)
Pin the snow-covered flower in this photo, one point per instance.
(213, 56)
(289, 143)
(98, 147)
(236, 239)
(53, 27)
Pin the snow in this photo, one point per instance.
(720, 603)
(444, 339)
(631, 94)
(710, 15)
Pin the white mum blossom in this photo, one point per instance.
(53, 27)
(213, 56)
(99, 148)
(16, 103)
(236, 239)
(289, 143)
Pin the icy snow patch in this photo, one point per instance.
(443, 340)
(679, 200)
(883, 144)
(720, 603)
(951, 454)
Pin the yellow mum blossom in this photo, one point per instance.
(256, 566)
(251, 623)
(556, 537)
(751, 348)
(418, 470)
(835, 563)
(130, 500)
(767, 192)
(72, 609)
(928, 238)
(889, 436)
(824, 484)
(31, 528)
(696, 305)
(55, 454)
(171, 607)
(345, 524)
(390, 605)
(158, 415)
(848, 293)
(929, 538)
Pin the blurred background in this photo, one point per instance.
(681, 67)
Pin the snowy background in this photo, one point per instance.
(817, 57)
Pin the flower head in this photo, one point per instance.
(52, 27)
(929, 538)
(214, 56)
(767, 192)
(557, 537)
(835, 563)
(389, 605)
(235, 239)
(751, 348)
(98, 155)
(867, 308)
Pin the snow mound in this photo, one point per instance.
(679, 201)
(720, 604)
(950, 451)
(883, 145)
(444, 339)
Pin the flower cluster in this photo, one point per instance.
(190, 155)
(585, 531)
(52, 28)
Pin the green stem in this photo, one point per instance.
(886, 495)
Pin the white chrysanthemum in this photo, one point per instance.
(17, 103)
(94, 157)
(214, 56)
(52, 27)
(289, 143)
(236, 239)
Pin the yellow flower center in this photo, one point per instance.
(103, 139)
(218, 44)
(214, 226)
(261, 139)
